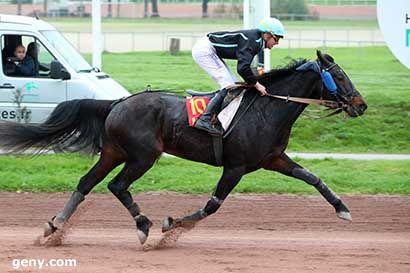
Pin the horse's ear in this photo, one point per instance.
(322, 58)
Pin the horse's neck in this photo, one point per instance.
(290, 112)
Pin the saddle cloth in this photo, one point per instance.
(196, 106)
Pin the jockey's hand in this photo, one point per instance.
(261, 71)
(261, 89)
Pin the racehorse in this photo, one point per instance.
(138, 129)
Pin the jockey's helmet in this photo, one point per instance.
(272, 26)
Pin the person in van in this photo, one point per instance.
(25, 65)
(32, 51)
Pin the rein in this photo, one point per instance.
(327, 103)
(338, 106)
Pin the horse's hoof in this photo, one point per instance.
(345, 215)
(49, 229)
(143, 226)
(167, 224)
(52, 226)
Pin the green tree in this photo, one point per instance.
(288, 7)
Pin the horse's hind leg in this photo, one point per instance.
(287, 166)
(119, 187)
(230, 178)
(107, 162)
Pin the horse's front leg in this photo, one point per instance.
(230, 178)
(287, 166)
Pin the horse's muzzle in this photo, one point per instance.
(357, 107)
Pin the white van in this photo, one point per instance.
(60, 72)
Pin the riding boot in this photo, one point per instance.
(213, 108)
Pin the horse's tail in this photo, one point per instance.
(73, 125)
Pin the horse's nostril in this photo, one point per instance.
(363, 107)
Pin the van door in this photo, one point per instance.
(27, 93)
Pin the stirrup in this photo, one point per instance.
(211, 129)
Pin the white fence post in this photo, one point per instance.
(96, 33)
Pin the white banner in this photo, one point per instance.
(394, 22)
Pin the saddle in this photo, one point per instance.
(198, 101)
(195, 93)
(233, 92)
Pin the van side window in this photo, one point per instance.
(25, 56)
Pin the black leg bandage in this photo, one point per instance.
(69, 208)
(315, 181)
(327, 193)
(213, 205)
(306, 176)
(134, 210)
(199, 215)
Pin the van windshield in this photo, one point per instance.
(69, 53)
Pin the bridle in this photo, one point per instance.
(341, 102)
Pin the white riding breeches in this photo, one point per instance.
(205, 56)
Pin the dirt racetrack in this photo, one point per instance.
(250, 233)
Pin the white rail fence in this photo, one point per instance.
(160, 41)
(343, 2)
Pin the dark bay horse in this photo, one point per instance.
(139, 129)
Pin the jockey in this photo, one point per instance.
(241, 45)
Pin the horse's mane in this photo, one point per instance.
(281, 72)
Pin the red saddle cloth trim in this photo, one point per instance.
(195, 106)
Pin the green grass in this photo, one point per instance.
(380, 78)
(193, 25)
(56, 173)
(384, 128)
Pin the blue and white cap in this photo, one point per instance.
(272, 26)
